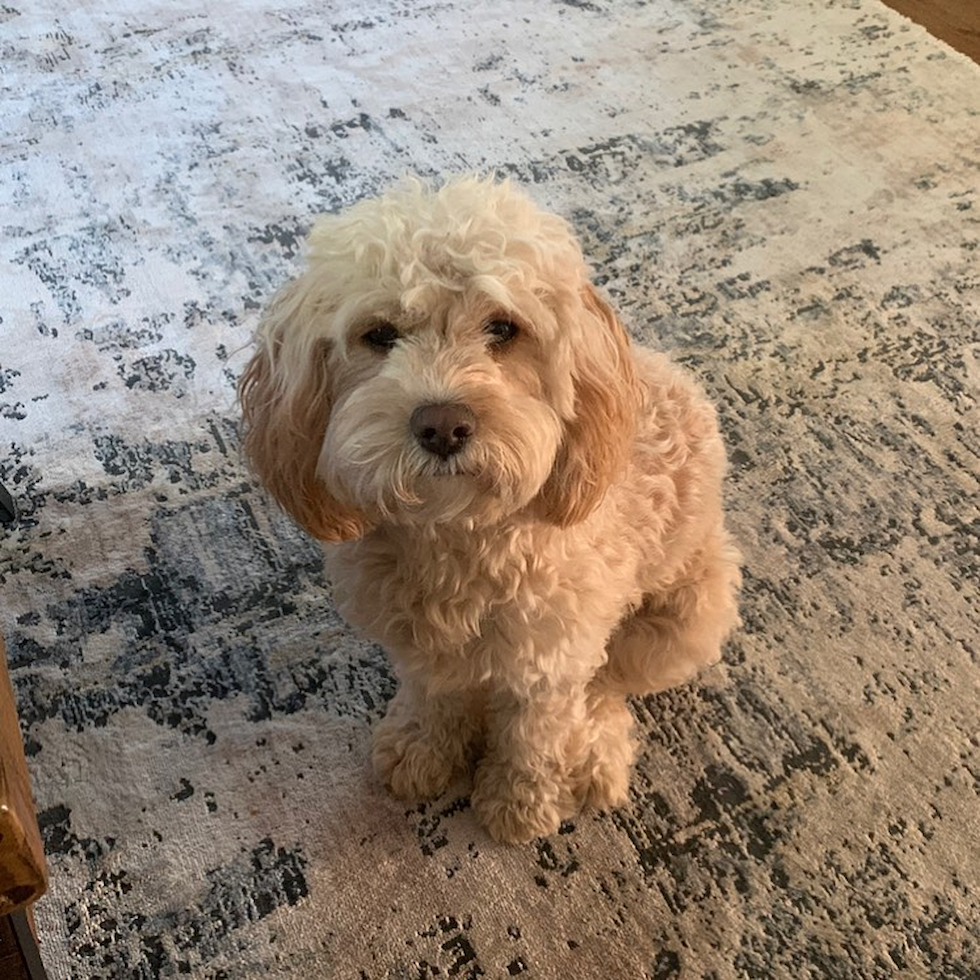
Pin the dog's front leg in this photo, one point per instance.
(525, 783)
(424, 740)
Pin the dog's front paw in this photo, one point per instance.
(516, 807)
(409, 763)
(608, 784)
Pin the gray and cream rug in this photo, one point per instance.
(786, 194)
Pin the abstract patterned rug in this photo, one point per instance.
(785, 194)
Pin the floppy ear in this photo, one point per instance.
(598, 438)
(285, 399)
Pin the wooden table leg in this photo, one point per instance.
(26, 940)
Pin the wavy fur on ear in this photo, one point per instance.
(285, 398)
(598, 437)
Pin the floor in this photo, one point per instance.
(957, 22)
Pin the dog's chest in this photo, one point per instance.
(432, 594)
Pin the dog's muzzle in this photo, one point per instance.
(444, 429)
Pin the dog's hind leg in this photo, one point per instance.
(673, 635)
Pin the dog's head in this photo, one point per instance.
(443, 356)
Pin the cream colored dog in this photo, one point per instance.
(523, 508)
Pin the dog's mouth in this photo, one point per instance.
(471, 466)
(452, 468)
(462, 476)
(467, 484)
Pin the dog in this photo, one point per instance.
(519, 504)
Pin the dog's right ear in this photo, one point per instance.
(285, 397)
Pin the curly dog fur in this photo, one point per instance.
(520, 505)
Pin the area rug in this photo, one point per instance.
(784, 194)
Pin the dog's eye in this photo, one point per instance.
(501, 331)
(382, 337)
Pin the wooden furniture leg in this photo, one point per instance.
(23, 870)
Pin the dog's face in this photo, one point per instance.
(443, 358)
(440, 409)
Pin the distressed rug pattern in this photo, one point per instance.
(785, 194)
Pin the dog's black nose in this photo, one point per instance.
(443, 430)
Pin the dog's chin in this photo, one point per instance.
(444, 498)
(443, 493)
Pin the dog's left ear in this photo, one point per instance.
(598, 438)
